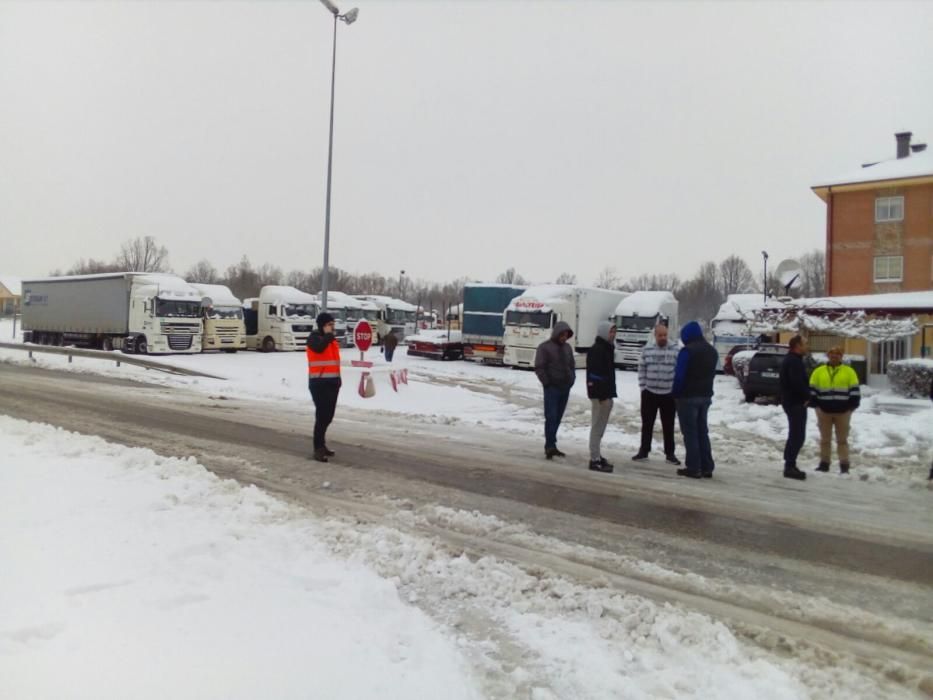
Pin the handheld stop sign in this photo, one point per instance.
(363, 336)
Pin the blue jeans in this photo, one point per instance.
(555, 402)
(692, 413)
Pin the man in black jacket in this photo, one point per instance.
(557, 370)
(795, 396)
(323, 353)
(601, 389)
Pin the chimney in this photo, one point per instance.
(918, 148)
(903, 144)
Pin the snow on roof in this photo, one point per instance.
(391, 302)
(220, 295)
(497, 285)
(906, 301)
(644, 303)
(340, 300)
(169, 286)
(738, 307)
(914, 165)
(14, 285)
(285, 295)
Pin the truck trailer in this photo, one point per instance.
(136, 312)
(636, 316)
(483, 329)
(222, 318)
(530, 318)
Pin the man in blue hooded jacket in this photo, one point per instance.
(693, 391)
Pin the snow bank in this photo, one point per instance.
(127, 574)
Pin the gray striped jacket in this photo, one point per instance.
(656, 368)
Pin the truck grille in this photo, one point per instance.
(180, 328)
(227, 332)
(179, 342)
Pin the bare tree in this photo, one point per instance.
(608, 279)
(813, 273)
(735, 276)
(656, 282)
(203, 272)
(143, 254)
(566, 278)
(701, 297)
(511, 276)
(89, 267)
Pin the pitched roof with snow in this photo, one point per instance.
(14, 285)
(916, 165)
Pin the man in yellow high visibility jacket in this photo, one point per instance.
(324, 382)
(834, 391)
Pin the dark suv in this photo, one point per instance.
(763, 376)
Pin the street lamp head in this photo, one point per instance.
(350, 16)
(331, 7)
(764, 254)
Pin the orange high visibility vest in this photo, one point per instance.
(324, 365)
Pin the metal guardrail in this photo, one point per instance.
(114, 356)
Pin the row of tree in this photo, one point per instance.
(700, 296)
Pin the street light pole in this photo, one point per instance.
(764, 254)
(348, 18)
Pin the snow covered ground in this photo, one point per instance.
(138, 575)
(890, 440)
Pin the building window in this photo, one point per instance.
(889, 209)
(889, 268)
(882, 354)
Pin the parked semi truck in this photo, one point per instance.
(393, 314)
(136, 312)
(484, 306)
(342, 307)
(221, 318)
(530, 317)
(636, 316)
(280, 318)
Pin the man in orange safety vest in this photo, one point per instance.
(323, 380)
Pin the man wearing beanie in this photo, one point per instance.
(323, 380)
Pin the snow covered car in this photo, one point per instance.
(439, 345)
(759, 371)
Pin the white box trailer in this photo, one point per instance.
(636, 317)
(530, 318)
(137, 312)
(222, 318)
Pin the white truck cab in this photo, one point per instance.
(280, 318)
(636, 317)
(530, 318)
(393, 314)
(222, 318)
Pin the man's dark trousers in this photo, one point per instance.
(796, 432)
(693, 413)
(651, 404)
(324, 394)
(555, 403)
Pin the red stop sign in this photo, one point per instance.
(363, 336)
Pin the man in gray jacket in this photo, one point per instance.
(557, 371)
(656, 380)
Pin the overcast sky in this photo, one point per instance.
(470, 136)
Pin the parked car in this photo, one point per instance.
(437, 344)
(761, 375)
(727, 367)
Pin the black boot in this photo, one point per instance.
(329, 452)
(791, 472)
(320, 455)
(550, 452)
(843, 467)
(824, 467)
(558, 453)
(640, 457)
(600, 465)
(690, 474)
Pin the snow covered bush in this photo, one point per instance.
(911, 378)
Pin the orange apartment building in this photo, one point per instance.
(879, 224)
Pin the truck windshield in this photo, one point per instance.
(397, 316)
(298, 310)
(636, 323)
(178, 308)
(216, 312)
(370, 314)
(537, 319)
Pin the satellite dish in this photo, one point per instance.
(788, 273)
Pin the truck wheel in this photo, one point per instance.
(268, 344)
(230, 350)
(142, 347)
(106, 344)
